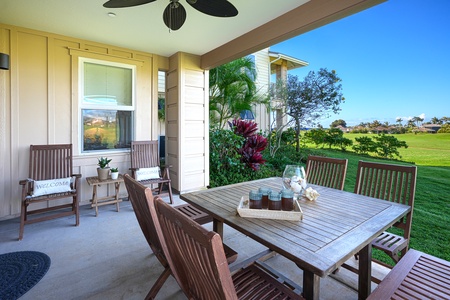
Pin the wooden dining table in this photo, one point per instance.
(334, 227)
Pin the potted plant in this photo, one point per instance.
(103, 169)
(114, 173)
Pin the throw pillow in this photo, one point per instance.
(147, 173)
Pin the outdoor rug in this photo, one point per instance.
(20, 271)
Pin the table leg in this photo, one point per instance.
(117, 186)
(365, 272)
(94, 199)
(311, 285)
(218, 227)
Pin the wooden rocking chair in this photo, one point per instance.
(141, 198)
(393, 183)
(326, 171)
(50, 178)
(198, 263)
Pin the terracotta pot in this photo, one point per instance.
(103, 173)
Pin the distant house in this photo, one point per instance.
(431, 128)
(343, 129)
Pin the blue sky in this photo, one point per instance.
(393, 59)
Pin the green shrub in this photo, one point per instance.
(335, 137)
(315, 136)
(364, 145)
(225, 164)
(387, 145)
(444, 129)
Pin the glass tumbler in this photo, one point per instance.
(274, 201)
(255, 199)
(265, 196)
(287, 200)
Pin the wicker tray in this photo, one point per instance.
(246, 212)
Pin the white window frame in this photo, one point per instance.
(82, 105)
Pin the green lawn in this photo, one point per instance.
(431, 218)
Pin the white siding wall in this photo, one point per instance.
(187, 116)
(262, 84)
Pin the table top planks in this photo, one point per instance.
(334, 227)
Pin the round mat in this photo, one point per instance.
(20, 271)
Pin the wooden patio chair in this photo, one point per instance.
(145, 166)
(393, 183)
(141, 198)
(417, 276)
(326, 171)
(50, 178)
(144, 156)
(198, 262)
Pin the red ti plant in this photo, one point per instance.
(253, 145)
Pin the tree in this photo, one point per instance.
(399, 121)
(232, 89)
(364, 145)
(417, 120)
(387, 145)
(308, 100)
(411, 123)
(335, 137)
(445, 120)
(435, 120)
(375, 124)
(340, 122)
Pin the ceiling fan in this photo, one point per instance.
(174, 15)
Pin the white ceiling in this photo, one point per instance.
(141, 27)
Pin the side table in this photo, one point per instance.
(96, 201)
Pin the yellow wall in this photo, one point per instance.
(39, 104)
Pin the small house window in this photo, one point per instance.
(107, 105)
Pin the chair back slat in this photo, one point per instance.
(144, 154)
(394, 183)
(195, 255)
(140, 196)
(50, 161)
(389, 182)
(326, 171)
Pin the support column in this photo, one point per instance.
(187, 119)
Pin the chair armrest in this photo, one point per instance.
(25, 181)
(165, 166)
(76, 175)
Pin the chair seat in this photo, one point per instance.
(154, 181)
(30, 198)
(194, 213)
(253, 282)
(390, 243)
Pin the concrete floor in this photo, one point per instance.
(107, 257)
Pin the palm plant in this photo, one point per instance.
(232, 89)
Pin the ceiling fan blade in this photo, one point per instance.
(174, 15)
(125, 3)
(215, 8)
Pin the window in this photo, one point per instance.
(107, 105)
